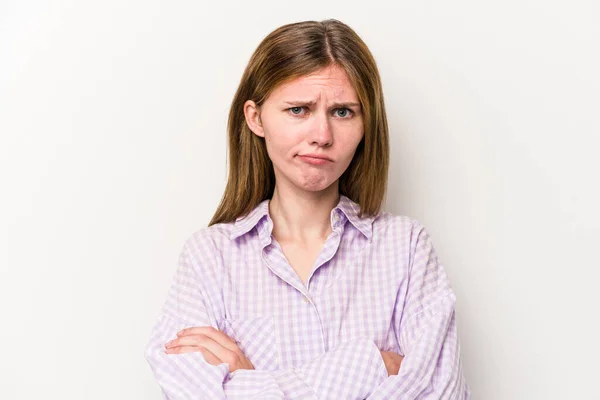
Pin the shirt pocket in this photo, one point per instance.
(256, 338)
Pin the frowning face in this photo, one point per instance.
(312, 127)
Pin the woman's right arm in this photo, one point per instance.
(351, 370)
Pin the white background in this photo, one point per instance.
(113, 151)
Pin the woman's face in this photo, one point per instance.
(312, 127)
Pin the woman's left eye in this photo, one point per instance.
(343, 112)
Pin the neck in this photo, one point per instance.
(302, 216)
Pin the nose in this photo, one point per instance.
(322, 135)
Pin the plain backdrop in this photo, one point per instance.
(113, 151)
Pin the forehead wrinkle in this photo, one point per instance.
(328, 83)
(307, 97)
(312, 103)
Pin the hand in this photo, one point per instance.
(392, 362)
(215, 346)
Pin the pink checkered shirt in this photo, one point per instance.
(376, 285)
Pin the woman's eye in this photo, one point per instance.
(296, 110)
(343, 112)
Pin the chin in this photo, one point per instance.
(315, 186)
(310, 181)
(315, 189)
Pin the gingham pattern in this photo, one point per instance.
(376, 285)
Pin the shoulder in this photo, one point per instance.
(403, 226)
(403, 232)
(411, 239)
(208, 243)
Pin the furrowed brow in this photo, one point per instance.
(304, 103)
(345, 105)
(300, 103)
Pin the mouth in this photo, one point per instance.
(315, 159)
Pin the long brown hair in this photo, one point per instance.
(289, 52)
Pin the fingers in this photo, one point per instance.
(211, 333)
(214, 353)
(220, 346)
(225, 354)
(183, 349)
(215, 346)
(208, 355)
(196, 340)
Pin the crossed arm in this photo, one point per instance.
(218, 348)
(201, 362)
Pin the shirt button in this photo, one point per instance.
(306, 300)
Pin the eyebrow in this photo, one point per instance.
(301, 103)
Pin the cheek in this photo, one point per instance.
(282, 139)
(350, 140)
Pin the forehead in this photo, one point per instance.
(332, 80)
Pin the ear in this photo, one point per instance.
(252, 114)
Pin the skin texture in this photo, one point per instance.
(314, 115)
(392, 362)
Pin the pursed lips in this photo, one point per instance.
(315, 159)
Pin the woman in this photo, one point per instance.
(301, 288)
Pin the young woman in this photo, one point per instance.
(301, 287)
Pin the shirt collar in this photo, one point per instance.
(350, 210)
(346, 209)
(244, 224)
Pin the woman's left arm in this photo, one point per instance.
(425, 326)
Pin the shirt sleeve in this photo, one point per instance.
(425, 326)
(349, 371)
